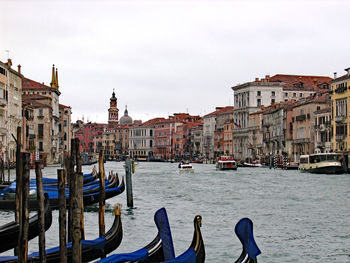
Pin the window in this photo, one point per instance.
(41, 146)
(273, 93)
(286, 94)
(300, 95)
(272, 101)
(65, 137)
(258, 93)
(40, 113)
(65, 123)
(59, 127)
(258, 102)
(294, 95)
(40, 130)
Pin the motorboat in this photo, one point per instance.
(186, 167)
(323, 163)
(226, 163)
(252, 164)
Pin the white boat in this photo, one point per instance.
(186, 167)
(253, 164)
(324, 163)
(226, 163)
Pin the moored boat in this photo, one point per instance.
(91, 249)
(161, 249)
(322, 163)
(225, 162)
(9, 232)
(89, 198)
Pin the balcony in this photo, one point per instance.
(339, 118)
(340, 137)
(303, 140)
(341, 90)
(301, 117)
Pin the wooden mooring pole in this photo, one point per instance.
(23, 235)
(71, 175)
(61, 176)
(102, 197)
(41, 217)
(128, 172)
(19, 188)
(77, 196)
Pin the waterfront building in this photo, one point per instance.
(228, 137)
(141, 139)
(256, 147)
(64, 130)
(109, 143)
(303, 123)
(213, 131)
(163, 139)
(323, 129)
(340, 120)
(10, 109)
(250, 96)
(196, 139)
(223, 115)
(274, 126)
(46, 110)
(90, 136)
(184, 139)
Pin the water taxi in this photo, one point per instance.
(226, 163)
(186, 167)
(323, 163)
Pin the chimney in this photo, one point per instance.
(335, 75)
(267, 77)
(256, 79)
(19, 68)
(348, 71)
(9, 62)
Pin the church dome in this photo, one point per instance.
(125, 119)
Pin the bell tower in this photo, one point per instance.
(113, 110)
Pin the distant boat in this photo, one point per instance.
(253, 164)
(186, 167)
(323, 163)
(226, 162)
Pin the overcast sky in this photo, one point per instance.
(163, 57)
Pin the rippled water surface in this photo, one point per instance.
(298, 217)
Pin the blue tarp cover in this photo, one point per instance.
(162, 222)
(244, 231)
(189, 256)
(138, 255)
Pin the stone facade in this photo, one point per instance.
(10, 109)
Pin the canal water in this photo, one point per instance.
(298, 217)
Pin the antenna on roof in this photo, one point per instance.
(8, 53)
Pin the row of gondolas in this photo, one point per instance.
(160, 249)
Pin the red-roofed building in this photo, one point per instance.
(51, 121)
(213, 132)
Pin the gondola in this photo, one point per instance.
(89, 199)
(10, 231)
(250, 250)
(91, 249)
(161, 249)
